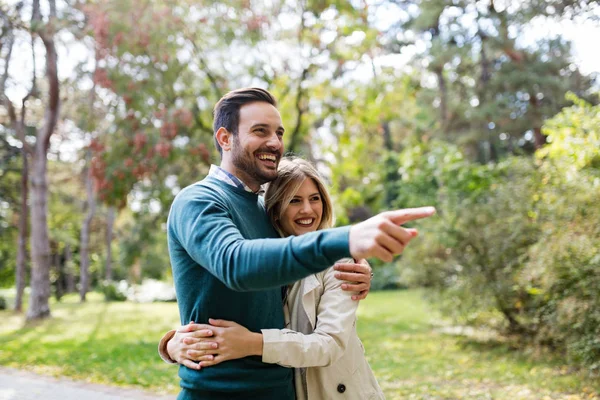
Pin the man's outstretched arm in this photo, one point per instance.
(209, 236)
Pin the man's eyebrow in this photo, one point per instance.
(261, 125)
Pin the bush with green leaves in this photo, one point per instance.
(515, 244)
(476, 247)
(564, 266)
(114, 291)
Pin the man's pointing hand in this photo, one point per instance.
(382, 236)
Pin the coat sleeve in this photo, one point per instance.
(162, 347)
(336, 319)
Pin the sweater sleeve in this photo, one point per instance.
(205, 229)
(336, 316)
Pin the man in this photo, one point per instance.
(226, 262)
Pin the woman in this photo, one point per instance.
(321, 342)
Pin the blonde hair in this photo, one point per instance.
(291, 174)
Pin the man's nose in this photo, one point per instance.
(275, 142)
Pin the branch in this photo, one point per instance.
(32, 92)
(213, 80)
(507, 45)
(199, 122)
(10, 37)
(295, 133)
(52, 8)
(47, 35)
(17, 125)
(301, 110)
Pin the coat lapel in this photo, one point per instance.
(309, 296)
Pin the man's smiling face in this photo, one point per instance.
(258, 146)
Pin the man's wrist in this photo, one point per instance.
(257, 344)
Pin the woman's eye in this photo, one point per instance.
(316, 198)
(294, 201)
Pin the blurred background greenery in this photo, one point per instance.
(486, 110)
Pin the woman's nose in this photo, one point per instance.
(306, 207)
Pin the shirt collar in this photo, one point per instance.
(227, 177)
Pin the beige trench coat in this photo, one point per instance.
(333, 353)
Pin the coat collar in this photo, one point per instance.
(311, 283)
(308, 298)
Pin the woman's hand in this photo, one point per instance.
(233, 341)
(192, 337)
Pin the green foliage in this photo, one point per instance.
(10, 195)
(113, 291)
(2, 303)
(565, 264)
(386, 277)
(574, 137)
(515, 244)
(488, 92)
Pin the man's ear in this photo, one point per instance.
(224, 138)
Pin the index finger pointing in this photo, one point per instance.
(409, 214)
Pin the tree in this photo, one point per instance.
(90, 209)
(44, 30)
(492, 93)
(17, 124)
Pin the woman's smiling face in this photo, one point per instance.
(305, 210)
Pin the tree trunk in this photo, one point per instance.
(391, 166)
(59, 286)
(295, 135)
(537, 121)
(540, 139)
(22, 241)
(70, 274)
(110, 222)
(84, 256)
(40, 246)
(439, 72)
(490, 153)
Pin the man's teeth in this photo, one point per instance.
(305, 221)
(269, 157)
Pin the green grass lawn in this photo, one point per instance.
(115, 343)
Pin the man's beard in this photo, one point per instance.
(246, 163)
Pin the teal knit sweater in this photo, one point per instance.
(223, 267)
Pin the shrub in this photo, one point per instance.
(514, 244)
(387, 277)
(114, 291)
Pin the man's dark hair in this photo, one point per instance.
(226, 113)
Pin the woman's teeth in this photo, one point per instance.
(308, 221)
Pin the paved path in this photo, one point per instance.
(21, 385)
